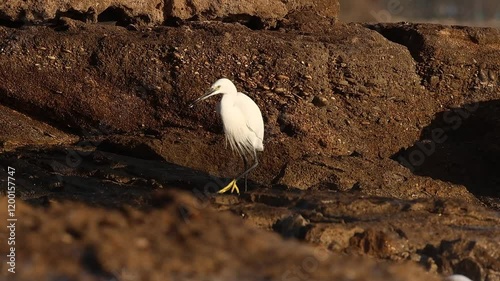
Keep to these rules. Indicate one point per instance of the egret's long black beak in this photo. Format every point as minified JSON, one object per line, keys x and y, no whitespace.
{"x":208,"y":94}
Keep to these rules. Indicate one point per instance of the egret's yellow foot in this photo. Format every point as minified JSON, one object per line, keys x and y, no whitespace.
{"x":231,"y":186}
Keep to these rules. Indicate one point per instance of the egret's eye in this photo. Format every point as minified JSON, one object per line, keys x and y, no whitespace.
{"x":218,"y":87}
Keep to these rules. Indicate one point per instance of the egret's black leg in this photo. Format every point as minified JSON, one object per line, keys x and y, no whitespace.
{"x":245,"y":173}
{"x":232,"y":185}
{"x":245,"y":163}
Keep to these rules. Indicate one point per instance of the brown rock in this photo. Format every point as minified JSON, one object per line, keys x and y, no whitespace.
{"x":17,"y":130}
{"x":158,"y":11}
{"x":264,"y":9}
{"x":222,"y":246}
{"x":479,"y":260}
{"x":33,"y":11}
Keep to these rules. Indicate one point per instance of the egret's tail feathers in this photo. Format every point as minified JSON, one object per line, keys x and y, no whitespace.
{"x":259,"y":146}
{"x":241,"y":146}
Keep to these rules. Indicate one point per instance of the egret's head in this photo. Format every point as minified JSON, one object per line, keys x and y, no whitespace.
{"x":221,"y":86}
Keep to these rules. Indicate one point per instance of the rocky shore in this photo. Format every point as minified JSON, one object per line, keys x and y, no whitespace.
{"x":381,"y":145}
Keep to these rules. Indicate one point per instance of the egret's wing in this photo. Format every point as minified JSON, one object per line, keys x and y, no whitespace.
{"x":252,"y":114}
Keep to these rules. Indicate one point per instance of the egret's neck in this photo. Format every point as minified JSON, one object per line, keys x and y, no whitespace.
{"x":229,"y":98}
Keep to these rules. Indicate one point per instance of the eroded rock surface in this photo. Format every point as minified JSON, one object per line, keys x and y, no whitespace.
{"x":174,"y":241}
{"x":19,"y":130}
{"x":258,"y":14}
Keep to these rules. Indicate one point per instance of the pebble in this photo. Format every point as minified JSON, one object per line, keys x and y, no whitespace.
{"x":66,"y":238}
{"x":323,"y":143}
{"x":483,"y":75}
{"x":351,"y":80}
{"x":343,"y":83}
{"x":142,"y":243}
{"x":433,"y":80}
{"x":319,"y":101}
{"x":363,"y":89}
{"x":51,"y":57}
{"x":492,"y":75}
{"x":132,"y":27}
{"x":283,"y":77}
{"x":376,"y":81}
{"x":280,"y":90}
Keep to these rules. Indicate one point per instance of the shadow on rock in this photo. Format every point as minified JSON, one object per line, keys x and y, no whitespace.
{"x":99,"y":177}
{"x":461,"y":146}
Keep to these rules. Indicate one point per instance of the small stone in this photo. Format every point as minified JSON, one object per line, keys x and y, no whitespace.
{"x":132,"y":27}
{"x":351,"y":80}
{"x":343,"y":83}
{"x":280,"y":90}
{"x":415,"y":257}
{"x":293,"y":226}
{"x":492,"y":75}
{"x":66,"y":238}
{"x":483,"y":75}
{"x":142,"y":243}
{"x":308,"y":77}
{"x":433,"y":81}
{"x":283,"y":77}
{"x":323,"y":143}
{"x":319,"y":101}
{"x":363,"y":89}
{"x":51,"y":57}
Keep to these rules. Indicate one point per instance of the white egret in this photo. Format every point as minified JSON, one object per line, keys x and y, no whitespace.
{"x":243,"y":125}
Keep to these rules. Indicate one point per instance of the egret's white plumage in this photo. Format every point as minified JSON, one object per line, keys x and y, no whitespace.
{"x":243,"y":123}
{"x":457,"y":277}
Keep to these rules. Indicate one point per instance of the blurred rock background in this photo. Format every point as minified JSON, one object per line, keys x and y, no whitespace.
{"x":461,"y":12}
